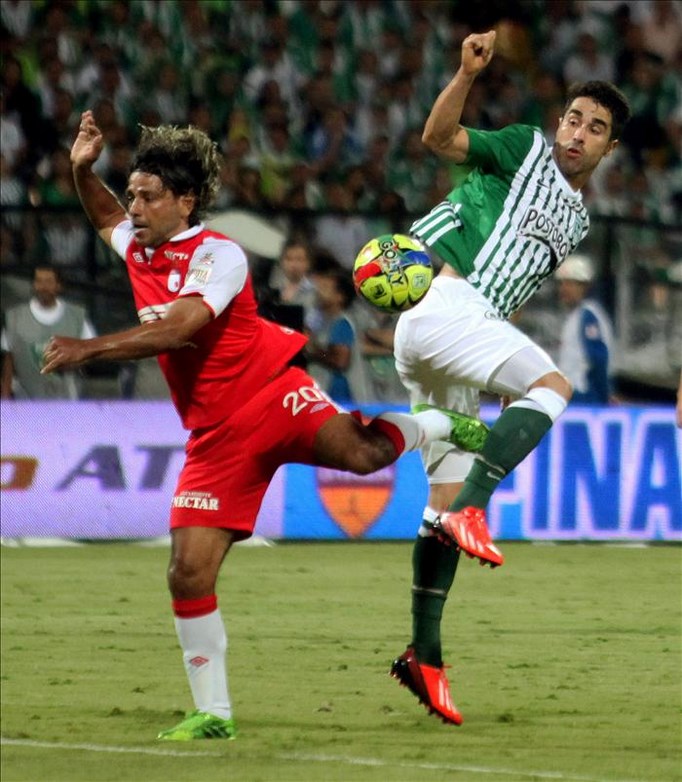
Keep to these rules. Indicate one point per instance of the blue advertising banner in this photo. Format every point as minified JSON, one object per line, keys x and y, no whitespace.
{"x":108,"y":470}
{"x":97,"y":470}
{"x":600,"y":474}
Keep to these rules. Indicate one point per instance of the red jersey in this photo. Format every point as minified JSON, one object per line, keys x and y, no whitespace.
{"x":233,"y":356}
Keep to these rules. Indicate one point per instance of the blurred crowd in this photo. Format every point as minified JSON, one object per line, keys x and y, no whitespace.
{"x":318,"y":105}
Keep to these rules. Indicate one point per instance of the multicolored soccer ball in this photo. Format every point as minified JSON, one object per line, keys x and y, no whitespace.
{"x":393,"y":272}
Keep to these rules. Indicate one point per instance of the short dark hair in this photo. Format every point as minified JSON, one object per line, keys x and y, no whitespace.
{"x":607,"y":95}
{"x":186,"y":160}
{"x":344,"y":284}
{"x":293,"y":241}
{"x":49,"y":267}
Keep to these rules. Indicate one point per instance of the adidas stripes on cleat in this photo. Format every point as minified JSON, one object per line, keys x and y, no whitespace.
{"x":467,"y":528}
{"x":429,"y":684}
{"x":466,"y":433}
{"x":200,"y":725}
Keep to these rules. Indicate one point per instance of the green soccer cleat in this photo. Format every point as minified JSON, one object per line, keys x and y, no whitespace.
{"x":466,"y":433}
{"x":200,"y":725}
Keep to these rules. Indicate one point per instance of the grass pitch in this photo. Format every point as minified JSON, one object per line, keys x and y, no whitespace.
{"x":566,"y":666}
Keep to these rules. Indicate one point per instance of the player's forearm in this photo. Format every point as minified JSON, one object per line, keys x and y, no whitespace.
{"x":101,"y":206}
{"x":149,"y":339}
{"x":143,"y":341}
{"x":443,"y":133}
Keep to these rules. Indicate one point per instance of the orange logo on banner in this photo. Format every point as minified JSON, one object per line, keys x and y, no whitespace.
{"x":23,"y":470}
{"x":355,"y":502}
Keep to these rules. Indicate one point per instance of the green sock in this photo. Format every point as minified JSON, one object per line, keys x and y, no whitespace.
{"x":513,"y":436}
{"x":434,"y":565}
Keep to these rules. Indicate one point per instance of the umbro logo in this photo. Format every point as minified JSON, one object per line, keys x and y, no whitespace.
{"x":198,"y":661}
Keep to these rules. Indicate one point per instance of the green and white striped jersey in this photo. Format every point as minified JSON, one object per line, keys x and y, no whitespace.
{"x":511,"y":222}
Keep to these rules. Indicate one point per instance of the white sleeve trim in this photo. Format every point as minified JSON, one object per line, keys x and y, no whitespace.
{"x":217,"y":272}
{"x":121,"y":237}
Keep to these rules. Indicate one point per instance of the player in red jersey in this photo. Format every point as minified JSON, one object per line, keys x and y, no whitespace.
{"x":230,"y":378}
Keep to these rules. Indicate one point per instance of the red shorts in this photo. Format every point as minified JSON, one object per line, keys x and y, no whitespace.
{"x":228,"y":467}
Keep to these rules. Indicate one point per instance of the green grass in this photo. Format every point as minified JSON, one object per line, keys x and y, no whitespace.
{"x":566,"y":666}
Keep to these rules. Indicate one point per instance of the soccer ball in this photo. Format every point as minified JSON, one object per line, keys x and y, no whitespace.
{"x":393,"y":272}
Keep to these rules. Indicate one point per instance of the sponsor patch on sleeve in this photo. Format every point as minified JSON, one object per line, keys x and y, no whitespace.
{"x":200,"y":271}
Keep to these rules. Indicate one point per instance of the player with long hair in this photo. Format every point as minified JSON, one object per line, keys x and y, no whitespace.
{"x":230,"y":373}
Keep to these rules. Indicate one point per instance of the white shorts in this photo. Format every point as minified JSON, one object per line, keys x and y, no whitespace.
{"x":447,"y":349}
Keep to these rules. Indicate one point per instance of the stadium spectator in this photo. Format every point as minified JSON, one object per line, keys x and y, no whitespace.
{"x":217,"y":44}
{"x":13,"y":194}
{"x":290,"y":281}
{"x":497,"y":250}
{"x":53,"y":76}
{"x":274,"y":64}
{"x":113,"y":85}
{"x":64,"y":120}
{"x":21,"y":105}
{"x":229,"y":376}
{"x":137,"y":39}
{"x":277,"y":159}
{"x":28,"y":329}
{"x":17,"y":17}
{"x":412,"y":172}
{"x":169,"y":95}
{"x":340,"y":231}
{"x":662,"y":29}
{"x":365,"y":77}
{"x":588,"y":62}
{"x":334,"y":349}
{"x":64,"y":232}
{"x":376,"y":335}
{"x":363,"y":23}
{"x":249,"y":187}
{"x":12,"y":139}
{"x":56,"y":189}
{"x":653,"y":94}
{"x":331,"y":144}
{"x":586,"y":342}
{"x":58,"y":23}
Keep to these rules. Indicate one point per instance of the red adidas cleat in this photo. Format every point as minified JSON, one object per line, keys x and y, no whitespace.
{"x":469,"y":530}
{"x":429,"y":684}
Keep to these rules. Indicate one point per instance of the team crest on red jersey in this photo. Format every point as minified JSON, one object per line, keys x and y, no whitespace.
{"x":355,"y":502}
{"x":174,"y":281}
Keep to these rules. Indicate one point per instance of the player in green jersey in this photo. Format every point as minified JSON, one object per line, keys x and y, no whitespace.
{"x":512,"y":221}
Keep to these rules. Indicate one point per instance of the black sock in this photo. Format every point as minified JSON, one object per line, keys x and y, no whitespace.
{"x":434,"y":565}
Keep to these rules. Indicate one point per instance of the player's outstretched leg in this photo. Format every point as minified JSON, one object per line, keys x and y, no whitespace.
{"x":200,"y":725}
{"x":466,"y":433}
{"x":429,"y":683}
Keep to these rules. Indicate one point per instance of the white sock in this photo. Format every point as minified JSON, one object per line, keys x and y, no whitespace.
{"x":419,"y":428}
{"x":436,"y":425}
{"x":429,"y":515}
{"x":204,"y":645}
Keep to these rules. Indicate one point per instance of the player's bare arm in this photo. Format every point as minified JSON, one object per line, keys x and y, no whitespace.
{"x":183,"y":319}
{"x":101,"y":205}
{"x":443,"y":134}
